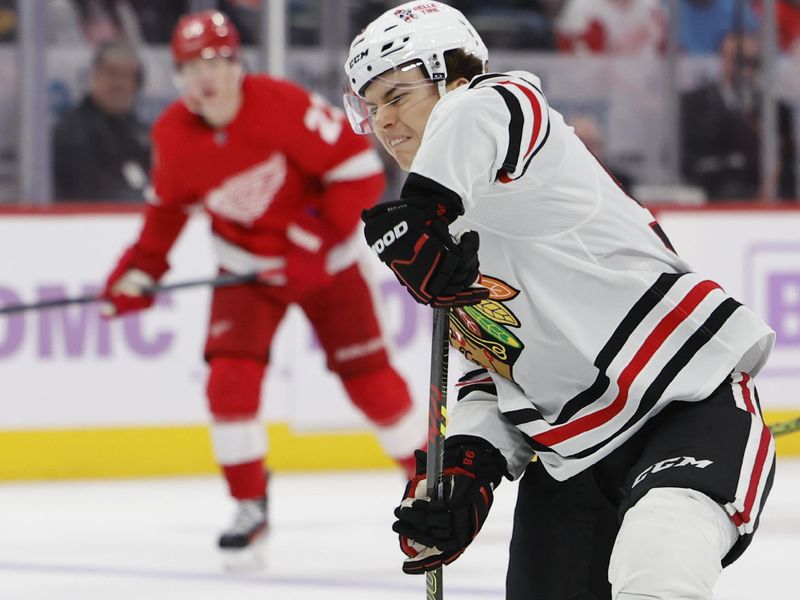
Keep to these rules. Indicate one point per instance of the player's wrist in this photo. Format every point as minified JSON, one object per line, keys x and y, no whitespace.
{"x":154,"y":264}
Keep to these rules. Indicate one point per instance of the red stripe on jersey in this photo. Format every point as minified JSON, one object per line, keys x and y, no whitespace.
{"x":504,"y":178}
{"x":537,"y":114}
{"x":646,"y":351}
{"x":748,"y":401}
{"x":755,"y":478}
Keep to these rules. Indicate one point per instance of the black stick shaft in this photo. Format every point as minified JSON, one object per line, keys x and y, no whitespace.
{"x":220,"y":281}
{"x":437,"y":421}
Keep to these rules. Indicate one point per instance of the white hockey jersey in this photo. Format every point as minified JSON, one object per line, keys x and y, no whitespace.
{"x":594,"y":324}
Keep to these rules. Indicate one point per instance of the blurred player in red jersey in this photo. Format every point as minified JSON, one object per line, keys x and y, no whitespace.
{"x":284,"y":180}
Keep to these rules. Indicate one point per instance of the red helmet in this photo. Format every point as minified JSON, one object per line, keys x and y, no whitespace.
{"x":204,"y":35}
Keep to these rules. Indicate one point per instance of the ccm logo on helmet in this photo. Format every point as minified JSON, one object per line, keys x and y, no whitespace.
{"x":390,"y":237}
{"x":358,"y":57}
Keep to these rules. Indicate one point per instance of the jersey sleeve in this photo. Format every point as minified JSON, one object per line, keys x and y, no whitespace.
{"x":167,"y":203}
{"x":489,"y":132}
{"x":476,"y":413}
{"x":319,"y":140}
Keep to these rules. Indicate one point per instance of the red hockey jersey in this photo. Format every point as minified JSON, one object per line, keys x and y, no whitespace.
{"x":287,"y":156}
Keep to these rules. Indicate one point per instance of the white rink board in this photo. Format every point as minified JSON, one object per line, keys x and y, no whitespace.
{"x":755,"y":256}
{"x":70,"y":369}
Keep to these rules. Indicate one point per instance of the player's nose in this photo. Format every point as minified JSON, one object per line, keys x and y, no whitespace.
{"x":385,"y":116}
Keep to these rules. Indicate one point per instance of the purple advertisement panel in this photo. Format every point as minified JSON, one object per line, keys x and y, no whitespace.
{"x":772,"y":288}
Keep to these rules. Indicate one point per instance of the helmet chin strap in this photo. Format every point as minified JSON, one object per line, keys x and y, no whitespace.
{"x":442,"y":87}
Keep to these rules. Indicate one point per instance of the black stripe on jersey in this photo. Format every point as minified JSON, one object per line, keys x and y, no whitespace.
{"x":523,"y":415}
{"x":532,"y":85}
{"x":534,"y":153}
{"x":629,"y":323}
{"x":469,"y":388}
{"x":514,"y":128}
{"x":517,"y":116}
{"x":536,"y":446}
{"x":757,"y":400}
{"x":676,"y":364}
{"x":486,"y":76}
{"x":476,"y":81}
{"x":472,"y":374}
{"x":480,"y":385}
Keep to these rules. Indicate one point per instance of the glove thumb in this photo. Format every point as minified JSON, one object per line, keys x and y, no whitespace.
{"x":469,"y":242}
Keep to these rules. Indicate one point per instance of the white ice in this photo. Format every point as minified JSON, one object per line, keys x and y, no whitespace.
{"x":331,"y":538}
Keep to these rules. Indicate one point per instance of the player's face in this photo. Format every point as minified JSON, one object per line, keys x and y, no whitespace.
{"x":400,"y":103}
{"x":212,"y":88}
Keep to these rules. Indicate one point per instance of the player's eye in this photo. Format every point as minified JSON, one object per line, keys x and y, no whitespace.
{"x":372,"y":109}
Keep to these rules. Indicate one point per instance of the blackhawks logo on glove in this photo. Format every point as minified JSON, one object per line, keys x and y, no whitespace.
{"x":481,"y":331}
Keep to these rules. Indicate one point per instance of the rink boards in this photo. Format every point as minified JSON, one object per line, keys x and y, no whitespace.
{"x":84,"y":397}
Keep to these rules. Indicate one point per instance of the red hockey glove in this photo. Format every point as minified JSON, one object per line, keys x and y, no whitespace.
{"x":310,"y":239}
{"x":436,"y":532}
{"x":126,"y":285}
{"x":411,"y":237}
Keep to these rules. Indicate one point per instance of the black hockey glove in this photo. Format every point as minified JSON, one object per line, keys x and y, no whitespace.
{"x":411,"y":237}
{"x":436,"y":532}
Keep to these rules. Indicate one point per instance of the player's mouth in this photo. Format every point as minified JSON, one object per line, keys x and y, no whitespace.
{"x":394,"y":142}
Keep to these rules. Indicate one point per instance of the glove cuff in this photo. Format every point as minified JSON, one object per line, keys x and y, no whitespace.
{"x":430,"y":196}
{"x":477,"y":456}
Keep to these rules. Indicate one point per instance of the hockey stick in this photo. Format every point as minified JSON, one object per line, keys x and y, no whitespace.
{"x":437,"y":422}
{"x":784,"y":427}
{"x":219,"y":281}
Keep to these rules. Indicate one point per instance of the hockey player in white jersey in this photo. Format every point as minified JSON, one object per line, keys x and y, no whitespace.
{"x":615,"y":381}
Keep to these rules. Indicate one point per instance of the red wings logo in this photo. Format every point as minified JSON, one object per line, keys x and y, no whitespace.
{"x":246,"y":196}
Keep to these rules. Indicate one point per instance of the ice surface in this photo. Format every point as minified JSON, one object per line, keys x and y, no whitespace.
{"x":331,"y":538}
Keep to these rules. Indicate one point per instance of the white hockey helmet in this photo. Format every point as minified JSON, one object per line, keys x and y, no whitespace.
{"x":414,"y":31}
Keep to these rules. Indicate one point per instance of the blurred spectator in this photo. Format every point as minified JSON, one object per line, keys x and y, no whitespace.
{"x":101,"y":151}
{"x":588,"y":130}
{"x":511,"y":23}
{"x":246,"y":16}
{"x":363,"y":11}
{"x":787,"y":20}
{"x":156,"y":19}
{"x":788,"y":17}
{"x":721,"y":130}
{"x":95,"y":22}
{"x":63,"y":24}
{"x":8,"y":21}
{"x":515,"y":24}
{"x":104,"y":21}
{"x":704,"y":23}
{"x":611,"y":26}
